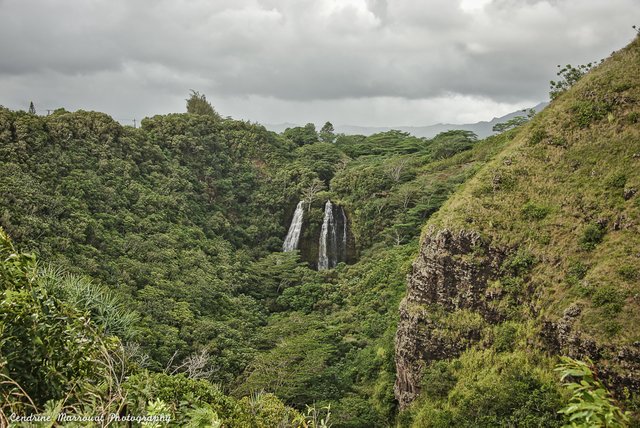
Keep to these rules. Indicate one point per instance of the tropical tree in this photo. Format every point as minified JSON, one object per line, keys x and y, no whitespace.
{"x":327,"y":133}
{"x":197,"y":104}
{"x":302,"y":135}
{"x":569,"y":75}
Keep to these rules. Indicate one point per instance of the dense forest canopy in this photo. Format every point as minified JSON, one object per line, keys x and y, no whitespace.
{"x":181,"y":221}
{"x":143,"y":273}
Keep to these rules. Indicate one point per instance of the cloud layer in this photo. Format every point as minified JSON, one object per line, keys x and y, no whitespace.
{"x":368,"y":62}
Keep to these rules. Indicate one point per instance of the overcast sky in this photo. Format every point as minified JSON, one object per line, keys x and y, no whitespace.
{"x":359,"y":62}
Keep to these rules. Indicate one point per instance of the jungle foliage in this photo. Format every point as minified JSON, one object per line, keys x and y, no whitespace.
{"x":167,"y":237}
{"x":145,"y":274}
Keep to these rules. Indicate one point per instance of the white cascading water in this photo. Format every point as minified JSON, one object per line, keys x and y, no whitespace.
{"x":327,"y":244}
{"x":344,"y":233}
{"x":293,"y":236}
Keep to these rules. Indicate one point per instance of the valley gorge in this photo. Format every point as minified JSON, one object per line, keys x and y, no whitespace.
{"x":207,"y":268}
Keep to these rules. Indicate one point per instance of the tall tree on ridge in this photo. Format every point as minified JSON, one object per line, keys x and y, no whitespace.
{"x":197,"y":104}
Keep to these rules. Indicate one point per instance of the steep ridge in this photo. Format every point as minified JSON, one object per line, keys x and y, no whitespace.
{"x":539,"y":252}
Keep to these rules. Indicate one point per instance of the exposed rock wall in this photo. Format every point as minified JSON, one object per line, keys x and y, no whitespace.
{"x":619,"y":367}
{"x":450,"y":273}
{"x":311,"y":229}
{"x":452,"y":276}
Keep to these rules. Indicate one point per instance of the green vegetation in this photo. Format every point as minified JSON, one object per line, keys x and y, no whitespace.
{"x":146,"y":276}
{"x":592,"y":236}
{"x":487,"y":389}
{"x":591,"y":404}
{"x":168,"y":237}
{"x":554,"y":202}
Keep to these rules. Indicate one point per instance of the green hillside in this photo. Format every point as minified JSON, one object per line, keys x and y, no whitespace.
{"x":170,"y":235}
{"x":546,"y":236}
{"x":143,"y":270}
{"x":566,"y":191}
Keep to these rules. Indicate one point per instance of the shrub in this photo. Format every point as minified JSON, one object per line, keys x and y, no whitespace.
{"x":532,"y":211}
{"x":537,"y":136}
{"x":611,"y":327}
{"x":592,"y":236}
{"x":616,"y":181}
{"x":587,"y":112}
{"x":577,"y":271}
{"x":633,"y":117}
{"x":628,"y":272}
{"x":518,"y":263}
{"x":609,"y":299}
{"x":559,"y":141}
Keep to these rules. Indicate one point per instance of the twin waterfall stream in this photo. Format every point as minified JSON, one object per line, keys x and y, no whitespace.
{"x":332,"y":246}
{"x":293,"y":236}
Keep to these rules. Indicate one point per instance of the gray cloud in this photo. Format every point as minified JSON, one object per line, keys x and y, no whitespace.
{"x":266,"y":59}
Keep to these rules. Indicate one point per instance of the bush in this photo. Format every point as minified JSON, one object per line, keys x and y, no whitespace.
{"x":609,"y":299}
{"x":628,"y":272}
{"x":611,"y":327}
{"x":532,"y":211}
{"x":576,"y":272}
{"x":537,"y":136}
{"x":519,"y":263}
{"x":592,"y":235}
{"x":587,"y":112}
{"x":616,"y":181}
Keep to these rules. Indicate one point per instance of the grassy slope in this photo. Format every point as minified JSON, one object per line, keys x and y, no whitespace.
{"x":560,"y":194}
{"x":565,"y":173}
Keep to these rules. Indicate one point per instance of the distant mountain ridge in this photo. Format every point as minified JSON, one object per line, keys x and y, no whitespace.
{"x":481,"y":129}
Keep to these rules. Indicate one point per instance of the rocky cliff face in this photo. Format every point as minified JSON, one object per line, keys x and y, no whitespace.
{"x":619,"y":366}
{"x":450,"y":274}
{"x":558,"y":260}
{"x":454,"y":278}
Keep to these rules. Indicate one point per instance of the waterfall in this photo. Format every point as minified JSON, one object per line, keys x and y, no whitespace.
{"x":327,"y":245}
{"x":343,"y":253}
{"x":332,"y":248}
{"x":293,"y":236}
